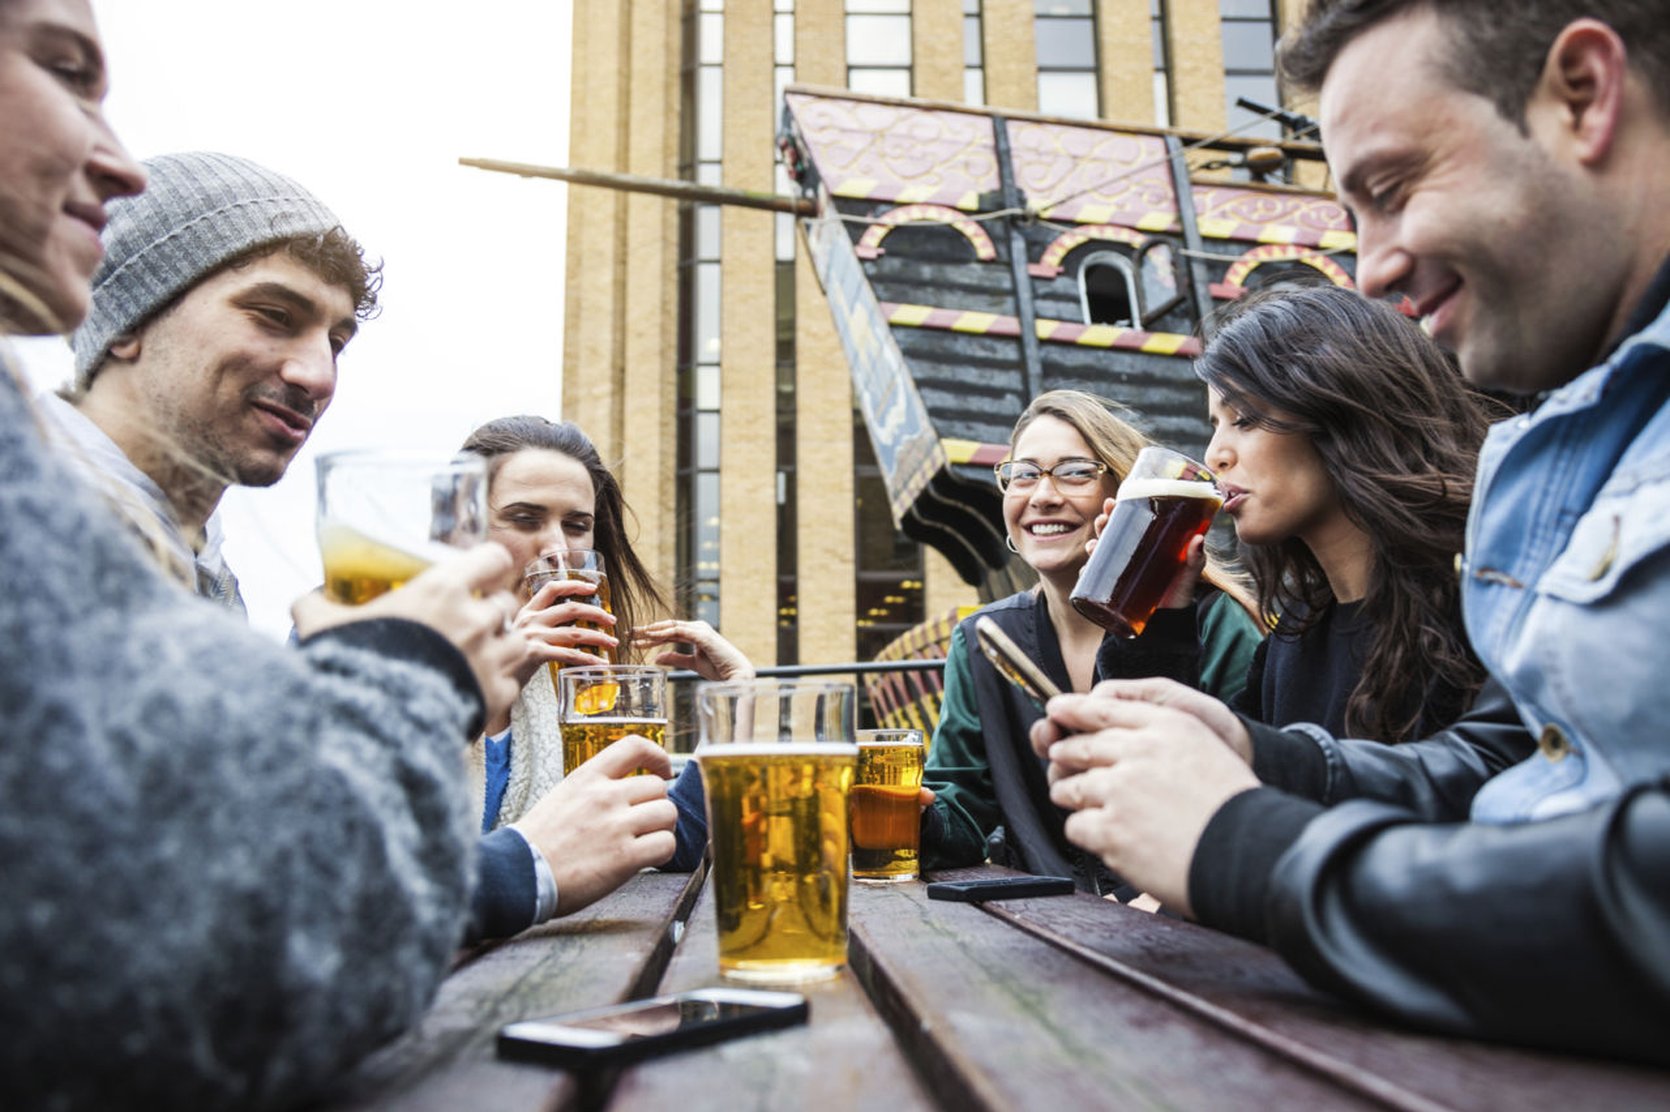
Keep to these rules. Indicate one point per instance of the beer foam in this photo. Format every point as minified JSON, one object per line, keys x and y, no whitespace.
{"x":1168,"y":488}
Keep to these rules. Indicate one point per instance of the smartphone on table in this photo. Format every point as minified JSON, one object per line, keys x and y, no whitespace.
{"x":1000,"y":888}
{"x":627,"y":1032}
{"x":1012,"y":664}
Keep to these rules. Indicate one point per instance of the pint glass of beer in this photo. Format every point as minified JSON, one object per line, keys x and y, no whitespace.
{"x":572,"y":563}
{"x":597,"y":706}
{"x":777,"y":761}
{"x":385,"y":516}
{"x":885,"y":815}
{"x":1164,"y":503}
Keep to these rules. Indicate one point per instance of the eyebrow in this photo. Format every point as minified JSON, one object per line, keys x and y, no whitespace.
{"x":299,"y":302}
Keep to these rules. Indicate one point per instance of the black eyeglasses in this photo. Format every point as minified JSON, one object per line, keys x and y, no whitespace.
{"x":1072,"y":475}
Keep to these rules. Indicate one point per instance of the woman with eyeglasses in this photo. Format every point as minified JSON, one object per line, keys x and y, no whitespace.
{"x":1068,"y":454}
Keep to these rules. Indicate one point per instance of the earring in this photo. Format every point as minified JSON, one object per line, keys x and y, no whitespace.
{"x":1009,"y":539}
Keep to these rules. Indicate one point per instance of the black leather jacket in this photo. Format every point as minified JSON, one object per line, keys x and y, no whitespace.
{"x":1553,"y":933}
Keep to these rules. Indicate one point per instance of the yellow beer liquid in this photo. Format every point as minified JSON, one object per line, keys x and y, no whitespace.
{"x":600,"y":599}
{"x":886,"y":818}
{"x":777,"y":814}
{"x":583,"y":740}
{"x":358,"y":568}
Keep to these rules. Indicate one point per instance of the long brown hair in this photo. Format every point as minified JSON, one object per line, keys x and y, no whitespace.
{"x":1116,"y":442}
{"x":1398,"y":431}
{"x":633,"y":591}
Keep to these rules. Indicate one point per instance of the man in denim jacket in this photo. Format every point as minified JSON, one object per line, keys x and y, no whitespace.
{"x":1510,"y":175}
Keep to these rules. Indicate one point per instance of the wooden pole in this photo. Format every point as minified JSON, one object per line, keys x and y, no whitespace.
{"x":637,"y":183}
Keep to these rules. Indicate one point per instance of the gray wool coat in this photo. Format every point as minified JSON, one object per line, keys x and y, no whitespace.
{"x":228,"y":869}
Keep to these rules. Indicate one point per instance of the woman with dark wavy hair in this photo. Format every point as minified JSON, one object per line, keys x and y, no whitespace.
{"x":1345,"y":443}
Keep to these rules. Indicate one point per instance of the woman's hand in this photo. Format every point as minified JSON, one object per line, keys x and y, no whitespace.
{"x":548,"y":620}
{"x":1182,"y":590}
{"x":711,"y":656}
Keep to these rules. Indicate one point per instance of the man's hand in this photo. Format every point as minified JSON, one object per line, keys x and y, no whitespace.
{"x":1088,"y":713}
{"x":464,"y":599}
{"x":601,"y":824}
{"x":1143,"y":768}
{"x":711,"y":656}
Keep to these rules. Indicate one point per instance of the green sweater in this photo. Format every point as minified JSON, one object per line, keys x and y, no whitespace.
{"x":982,"y":768}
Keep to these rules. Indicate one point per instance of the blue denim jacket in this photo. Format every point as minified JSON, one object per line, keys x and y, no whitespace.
{"x":1566,"y":582}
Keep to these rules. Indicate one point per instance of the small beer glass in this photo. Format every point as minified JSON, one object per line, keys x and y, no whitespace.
{"x":777,"y":760}
{"x":572,"y":563}
{"x":1164,"y":503}
{"x":385,"y":516}
{"x":598,"y":705}
{"x":885,"y":815}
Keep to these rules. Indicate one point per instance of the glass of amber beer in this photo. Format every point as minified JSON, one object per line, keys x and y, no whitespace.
{"x":385,"y":516}
{"x":572,"y":563}
{"x":777,"y":760}
{"x":1164,"y":503}
{"x":598,"y":705}
{"x":886,"y":817}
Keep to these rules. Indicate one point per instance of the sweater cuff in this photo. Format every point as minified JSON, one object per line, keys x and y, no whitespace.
{"x":1290,"y":759}
{"x":403,"y":639}
{"x":1229,"y":878}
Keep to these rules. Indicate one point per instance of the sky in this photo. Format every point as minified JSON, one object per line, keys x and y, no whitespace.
{"x":370,"y":104}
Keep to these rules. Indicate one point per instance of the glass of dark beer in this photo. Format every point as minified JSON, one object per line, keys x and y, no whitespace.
{"x":1165,"y":502}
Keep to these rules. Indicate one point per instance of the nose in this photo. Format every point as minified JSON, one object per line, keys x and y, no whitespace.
{"x":1382,"y":265}
{"x":311,"y":366}
{"x":113,"y":170}
{"x":1219,"y":456}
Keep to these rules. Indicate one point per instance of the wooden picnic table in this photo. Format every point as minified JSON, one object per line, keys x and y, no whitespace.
{"x":1059,"y":1004}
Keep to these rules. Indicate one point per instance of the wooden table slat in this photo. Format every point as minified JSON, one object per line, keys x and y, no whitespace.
{"x":605,"y":953}
{"x":1267,"y":1002}
{"x":999,"y":1019}
{"x":844,"y":1057}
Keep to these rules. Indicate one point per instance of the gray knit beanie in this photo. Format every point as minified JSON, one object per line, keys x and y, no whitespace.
{"x":200,"y":211}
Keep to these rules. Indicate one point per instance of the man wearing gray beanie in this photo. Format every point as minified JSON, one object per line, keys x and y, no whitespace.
{"x":226,"y":293}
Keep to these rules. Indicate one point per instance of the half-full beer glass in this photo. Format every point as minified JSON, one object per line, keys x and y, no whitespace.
{"x":385,"y":516}
{"x":597,"y":706}
{"x":777,"y":761}
{"x":573,"y":563}
{"x":886,"y":816}
{"x":1164,"y":503}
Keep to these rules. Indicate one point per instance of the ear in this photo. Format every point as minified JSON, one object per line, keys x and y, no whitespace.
{"x":126,"y":347}
{"x":1584,"y":78}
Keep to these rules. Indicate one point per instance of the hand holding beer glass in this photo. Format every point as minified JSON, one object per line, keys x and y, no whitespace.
{"x":777,"y":760}
{"x":597,"y":706}
{"x":1165,"y":502}
{"x":582,"y":565}
{"x":886,"y":806}
{"x":384,"y":516}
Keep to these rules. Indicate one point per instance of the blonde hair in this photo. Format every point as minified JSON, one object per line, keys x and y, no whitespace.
{"x":1115,"y":443}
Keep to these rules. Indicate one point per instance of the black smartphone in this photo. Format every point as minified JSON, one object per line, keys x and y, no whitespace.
{"x":1000,"y":888}
{"x":627,"y":1032}
{"x":1013,"y":664}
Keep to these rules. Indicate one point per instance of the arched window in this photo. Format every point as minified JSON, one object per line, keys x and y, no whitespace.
{"x":1108,"y":291}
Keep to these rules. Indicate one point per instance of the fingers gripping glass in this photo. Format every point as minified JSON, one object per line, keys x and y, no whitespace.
{"x":1008,"y":659}
{"x":1069,"y":474}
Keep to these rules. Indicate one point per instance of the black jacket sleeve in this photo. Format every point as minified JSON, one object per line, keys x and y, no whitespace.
{"x":1552,"y":933}
{"x":1436,"y":778}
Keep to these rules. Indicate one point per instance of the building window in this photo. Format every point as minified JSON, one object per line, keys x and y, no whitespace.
{"x":1066,"y":35}
{"x":889,"y":564}
{"x":974,"y":54}
{"x":788,"y":581}
{"x":1162,"y":64}
{"x":878,"y":47}
{"x":1249,"y":40}
{"x":700,"y":422}
{"x":1108,"y":291}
